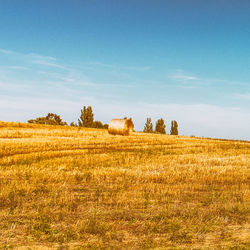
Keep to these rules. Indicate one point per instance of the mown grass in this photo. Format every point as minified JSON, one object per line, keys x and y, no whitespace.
{"x":65,"y":187}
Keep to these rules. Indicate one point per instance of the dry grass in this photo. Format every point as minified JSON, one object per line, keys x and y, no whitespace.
{"x":64,"y":187}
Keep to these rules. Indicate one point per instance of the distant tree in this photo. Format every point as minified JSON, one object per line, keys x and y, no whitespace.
{"x":174,"y":128}
{"x":86,"y":118}
{"x":39,"y":120}
{"x":73,"y":124}
{"x":83,"y":117}
{"x":105,"y":126}
{"x":160,"y":127}
{"x":97,"y":124}
{"x":148,"y":128}
{"x":55,"y":119}
{"x":90,"y":116}
{"x":50,"y":119}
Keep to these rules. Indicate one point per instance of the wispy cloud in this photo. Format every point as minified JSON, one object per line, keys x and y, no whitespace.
{"x":14,"y":67}
{"x":194,"y":80}
{"x":45,"y":77}
{"x":245,"y":96}
{"x":49,"y":63}
{"x":4,"y":51}
{"x":41,"y":69}
{"x":46,"y":63}
{"x":33,"y":58}
{"x":137,"y":68}
{"x":100,"y":64}
{"x":41,"y":57}
{"x":120,"y":67}
{"x":45,"y":60}
{"x":184,"y":77}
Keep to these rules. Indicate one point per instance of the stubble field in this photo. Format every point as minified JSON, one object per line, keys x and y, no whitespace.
{"x":71,"y":188}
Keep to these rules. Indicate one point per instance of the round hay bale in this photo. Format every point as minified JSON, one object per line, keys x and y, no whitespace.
{"x":120,"y":126}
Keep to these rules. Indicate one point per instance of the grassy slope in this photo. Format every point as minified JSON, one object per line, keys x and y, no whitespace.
{"x":64,"y":186}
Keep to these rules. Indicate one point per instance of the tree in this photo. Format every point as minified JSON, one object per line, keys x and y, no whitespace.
{"x":90,"y":116}
{"x":105,"y":126}
{"x":97,"y":124}
{"x":39,"y":120}
{"x":54,"y":119}
{"x":87,"y":117}
{"x":50,"y":119}
{"x":72,"y":124}
{"x":148,"y":128}
{"x":160,"y":127}
{"x":174,"y":128}
{"x":82,"y":120}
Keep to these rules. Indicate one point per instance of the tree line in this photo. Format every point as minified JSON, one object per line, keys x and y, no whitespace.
{"x":160,"y":127}
{"x":86,"y":120}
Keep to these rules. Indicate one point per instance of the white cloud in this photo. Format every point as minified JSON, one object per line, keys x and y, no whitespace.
{"x":184,"y":77}
{"x":192,"y":80}
{"x":33,"y":58}
{"x":119,"y":67}
{"x":245,"y":96}
{"x":100,"y":64}
{"x":48,"y":63}
{"x":41,"y":57}
{"x":40,"y":74}
{"x":4,"y":51}
{"x":137,"y":68}
{"x":14,"y":68}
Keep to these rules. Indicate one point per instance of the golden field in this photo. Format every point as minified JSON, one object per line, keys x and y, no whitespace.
{"x":71,"y":188}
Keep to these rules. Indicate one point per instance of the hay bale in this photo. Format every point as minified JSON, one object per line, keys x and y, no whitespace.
{"x":120,"y":126}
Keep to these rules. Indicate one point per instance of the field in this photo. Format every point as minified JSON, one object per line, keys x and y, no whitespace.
{"x":71,"y":188}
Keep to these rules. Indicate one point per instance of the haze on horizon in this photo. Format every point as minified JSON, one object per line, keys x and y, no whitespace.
{"x":177,"y":60}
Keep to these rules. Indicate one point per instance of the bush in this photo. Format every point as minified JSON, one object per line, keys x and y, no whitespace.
{"x":50,"y":119}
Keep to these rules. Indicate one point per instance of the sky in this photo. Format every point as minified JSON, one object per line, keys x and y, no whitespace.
{"x":180,"y":60}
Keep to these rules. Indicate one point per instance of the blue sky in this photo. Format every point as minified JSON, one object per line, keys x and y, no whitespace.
{"x":180,"y":60}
